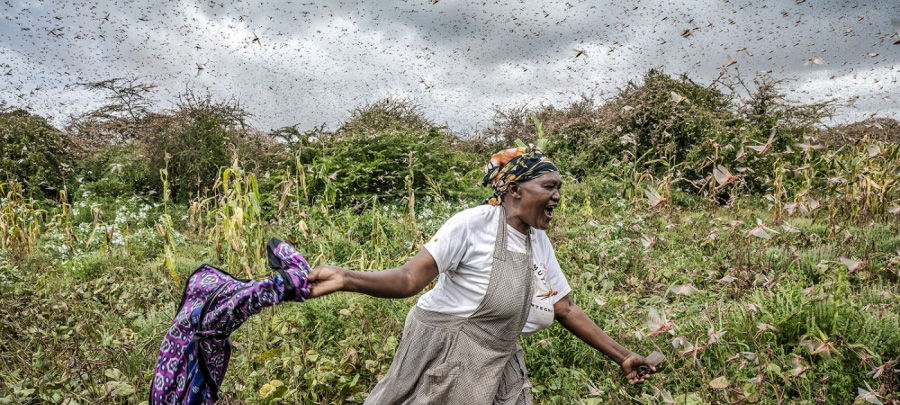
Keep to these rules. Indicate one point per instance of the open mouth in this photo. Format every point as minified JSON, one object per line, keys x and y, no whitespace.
{"x":549,"y":211}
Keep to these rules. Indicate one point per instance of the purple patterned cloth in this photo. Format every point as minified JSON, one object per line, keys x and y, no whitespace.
{"x":194,"y":354}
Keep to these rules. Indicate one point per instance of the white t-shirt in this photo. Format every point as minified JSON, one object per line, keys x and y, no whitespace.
{"x":464,"y":252}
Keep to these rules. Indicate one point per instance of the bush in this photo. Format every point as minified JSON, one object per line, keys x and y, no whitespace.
{"x":381,"y":150}
{"x":650,"y":123}
{"x":33,"y":152}
{"x":196,"y":140}
{"x":882,"y":129}
{"x":115,"y":171}
{"x":643,"y":119}
{"x":654,"y":122}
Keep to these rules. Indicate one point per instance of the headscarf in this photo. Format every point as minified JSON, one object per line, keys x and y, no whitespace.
{"x":520,"y":164}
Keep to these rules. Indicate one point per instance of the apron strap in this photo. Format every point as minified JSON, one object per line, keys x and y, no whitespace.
{"x":500,"y":246}
{"x":500,"y":251}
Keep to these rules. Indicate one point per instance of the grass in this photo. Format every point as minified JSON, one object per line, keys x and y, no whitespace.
{"x":84,"y":324}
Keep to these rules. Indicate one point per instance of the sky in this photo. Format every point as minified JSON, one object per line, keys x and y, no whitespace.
{"x":309,"y":63}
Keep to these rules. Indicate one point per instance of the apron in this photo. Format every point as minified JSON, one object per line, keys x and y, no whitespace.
{"x":448,"y":359}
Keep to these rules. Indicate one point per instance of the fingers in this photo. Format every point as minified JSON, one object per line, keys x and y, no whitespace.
{"x":633,"y":376}
{"x":320,"y":273}
{"x":637,"y":380}
{"x":320,"y":289}
{"x":321,"y":282}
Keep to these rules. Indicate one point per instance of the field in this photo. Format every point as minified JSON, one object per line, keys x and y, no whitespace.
{"x":779,"y":281}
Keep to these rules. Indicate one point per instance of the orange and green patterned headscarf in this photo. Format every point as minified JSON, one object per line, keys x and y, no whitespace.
{"x":520,"y":164}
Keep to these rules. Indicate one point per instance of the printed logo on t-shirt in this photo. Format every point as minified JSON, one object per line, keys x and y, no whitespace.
{"x":542,"y":286}
{"x":541,"y":315}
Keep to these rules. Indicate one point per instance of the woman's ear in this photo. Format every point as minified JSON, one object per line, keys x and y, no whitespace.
{"x":513,"y":189}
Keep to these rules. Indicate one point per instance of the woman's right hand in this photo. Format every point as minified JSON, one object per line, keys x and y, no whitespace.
{"x":631,"y":368}
{"x":326,"y":279}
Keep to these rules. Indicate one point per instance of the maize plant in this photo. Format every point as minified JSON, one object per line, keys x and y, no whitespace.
{"x":20,"y":221}
{"x":167,"y":230}
{"x":238,"y":235}
{"x":291,"y":206}
{"x":867,"y":175}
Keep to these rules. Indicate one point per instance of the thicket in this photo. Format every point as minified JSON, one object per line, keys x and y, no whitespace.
{"x":668,"y":128}
{"x":126,"y":142}
{"x":674,"y":128}
{"x":33,"y":152}
{"x":386,"y":149}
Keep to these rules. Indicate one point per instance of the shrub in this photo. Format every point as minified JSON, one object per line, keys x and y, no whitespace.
{"x":672,"y":126}
{"x":120,"y":120}
{"x":643,"y":119}
{"x":33,"y":151}
{"x":197,"y":139}
{"x":882,"y":129}
{"x":384,"y":149}
{"x":653,"y":121}
{"x":115,"y":171}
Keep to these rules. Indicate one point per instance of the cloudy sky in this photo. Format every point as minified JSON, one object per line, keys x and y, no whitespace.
{"x":310,"y":63}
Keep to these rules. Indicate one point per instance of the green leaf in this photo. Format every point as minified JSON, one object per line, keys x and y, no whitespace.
{"x":689,"y":399}
{"x":269,"y":354}
{"x":773,"y":368}
{"x":118,"y":389}
{"x":272,"y":390}
{"x":719,"y":383}
{"x":113,"y":374}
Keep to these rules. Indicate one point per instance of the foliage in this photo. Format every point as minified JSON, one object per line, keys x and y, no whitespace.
{"x":373,"y":152}
{"x":33,"y":152}
{"x":767,"y":107}
{"x":237,"y":232}
{"x":197,"y":139}
{"x":329,"y":349}
{"x":20,"y":222}
{"x":879,"y":129}
{"x":112,"y":171}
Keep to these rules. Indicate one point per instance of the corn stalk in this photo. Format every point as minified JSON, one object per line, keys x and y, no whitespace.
{"x":166,"y":229}
{"x":237,"y":235}
{"x":20,"y":221}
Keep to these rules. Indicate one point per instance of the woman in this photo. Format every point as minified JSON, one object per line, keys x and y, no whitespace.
{"x":497,"y":277}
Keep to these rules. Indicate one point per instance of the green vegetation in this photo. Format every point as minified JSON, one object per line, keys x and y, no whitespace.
{"x":33,"y":152}
{"x":777,"y":269}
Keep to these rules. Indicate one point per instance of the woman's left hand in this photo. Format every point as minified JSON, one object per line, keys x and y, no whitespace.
{"x":631,"y":366}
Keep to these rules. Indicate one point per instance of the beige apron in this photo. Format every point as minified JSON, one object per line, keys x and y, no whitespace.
{"x":448,"y":359}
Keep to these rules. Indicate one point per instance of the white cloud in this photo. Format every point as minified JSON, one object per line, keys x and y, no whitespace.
{"x":314,"y":62}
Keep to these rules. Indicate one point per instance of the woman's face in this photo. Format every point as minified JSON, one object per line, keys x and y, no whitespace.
{"x":539,"y":198}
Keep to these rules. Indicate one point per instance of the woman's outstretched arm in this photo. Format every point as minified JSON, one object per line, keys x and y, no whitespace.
{"x":401,"y":282}
{"x":576,"y":321}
